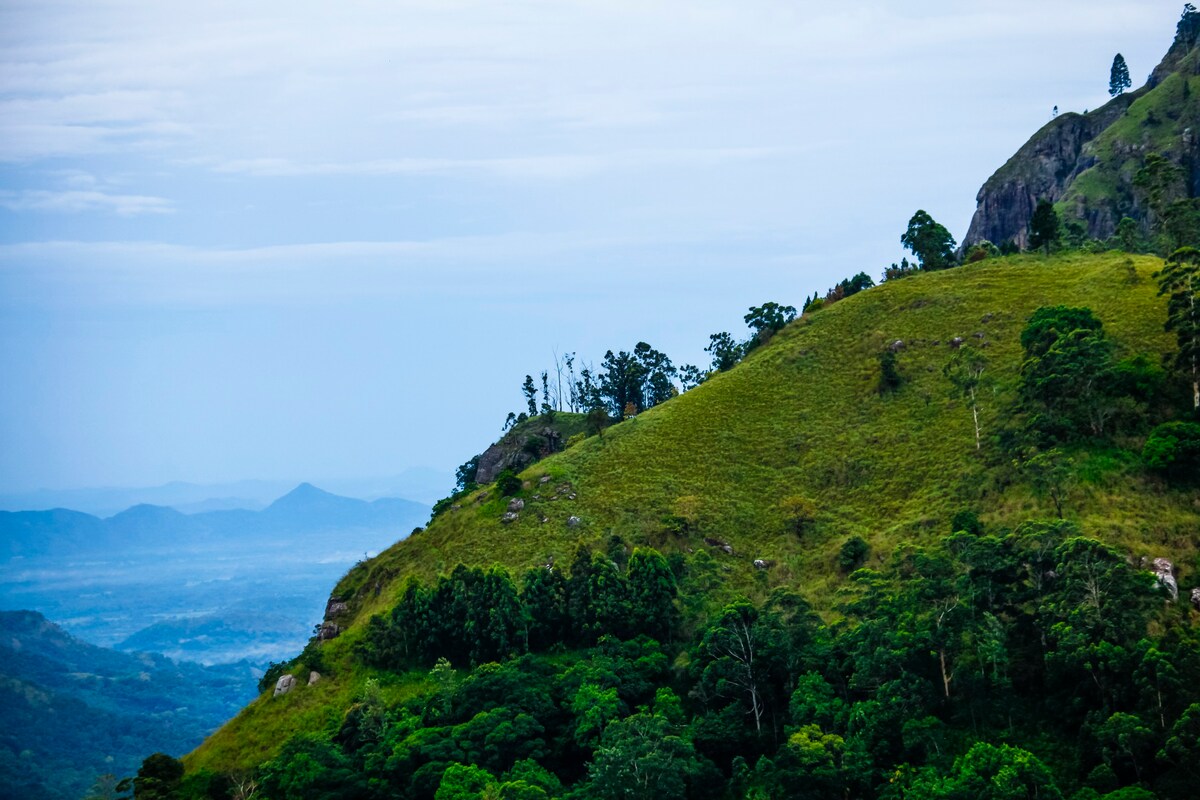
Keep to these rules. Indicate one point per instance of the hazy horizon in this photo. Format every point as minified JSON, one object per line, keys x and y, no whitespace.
{"x":259,"y":243}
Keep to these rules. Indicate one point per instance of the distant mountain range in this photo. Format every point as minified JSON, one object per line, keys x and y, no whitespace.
{"x":419,"y":483}
{"x":304,"y":510}
{"x":70,"y":711}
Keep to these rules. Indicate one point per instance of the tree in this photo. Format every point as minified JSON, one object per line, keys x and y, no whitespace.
{"x":1052,"y":475}
{"x":464,"y":476}
{"x":1066,"y":377}
{"x":652,"y":593}
{"x":641,"y":756}
{"x":769,"y":318}
{"x":734,"y":644}
{"x":965,"y":371}
{"x":930,"y":242}
{"x":1043,"y":226}
{"x":690,"y":376}
{"x":1179,"y":280}
{"x":158,"y":778}
{"x":1127,"y":235}
{"x":464,"y":782}
{"x":1173,"y":448}
{"x":1118,"y":76}
{"x":597,"y":420}
{"x":724,"y":350}
{"x":546,"y":406}
{"x":530,"y":392}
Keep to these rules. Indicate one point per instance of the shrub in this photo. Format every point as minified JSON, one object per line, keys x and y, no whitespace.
{"x":575,"y":439}
{"x":966,"y":520}
{"x":852,"y":554}
{"x":1173,"y":449}
{"x":508,"y":483}
{"x":889,"y":372}
{"x":535,"y":445}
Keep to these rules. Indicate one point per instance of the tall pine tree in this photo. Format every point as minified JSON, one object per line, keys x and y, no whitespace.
{"x":1118,"y":77}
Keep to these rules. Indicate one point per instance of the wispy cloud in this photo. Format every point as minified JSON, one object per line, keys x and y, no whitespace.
{"x":534,"y":166}
{"x":77,"y":201}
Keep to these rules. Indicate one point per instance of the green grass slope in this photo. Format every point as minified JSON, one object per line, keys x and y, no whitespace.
{"x":800,"y":416}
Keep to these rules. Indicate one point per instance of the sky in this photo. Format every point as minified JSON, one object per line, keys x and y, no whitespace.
{"x":312,"y":241}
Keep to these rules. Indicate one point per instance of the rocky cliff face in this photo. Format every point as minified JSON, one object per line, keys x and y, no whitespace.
{"x":1043,"y":168}
{"x":1085,"y":163}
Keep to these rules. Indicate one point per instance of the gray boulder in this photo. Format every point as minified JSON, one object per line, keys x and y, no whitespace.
{"x":313,"y":678}
{"x":284,"y":685}
{"x":1196,"y":598}
{"x":573,"y":522}
{"x":516,"y":504}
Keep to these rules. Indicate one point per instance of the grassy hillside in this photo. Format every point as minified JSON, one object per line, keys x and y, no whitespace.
{"x":800,"y":417}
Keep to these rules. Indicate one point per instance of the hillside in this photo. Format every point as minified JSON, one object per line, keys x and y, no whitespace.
{"x":714,"y":476}
{"x":72,"y":711}
{"x":1087,"y":164}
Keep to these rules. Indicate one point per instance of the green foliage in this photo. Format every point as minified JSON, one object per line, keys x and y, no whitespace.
{"x":1128,"y":236}
{"x":158,"y":778}
{"x":890,"y":378}
{"x":852,"y":554}
{"x":464,"y":782}
{"x":464,"y":476}
{"x":929,"y":241}
{"x":726,"y":352}
{"x":981,"y":251}
{"x":967,"y":372}
{"x":1044,"y":227}
{"x":988,"y":772}
{"x":1179,"y":280}
{"x":1173,"y":448}
{"x":767,"y":319}
{"x":966,"y":521}
{"x":530,"y":392}
{"x":508,"y":483}
{"x":1067,"y":373}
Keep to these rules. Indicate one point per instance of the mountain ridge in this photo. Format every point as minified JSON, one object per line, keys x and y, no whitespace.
{"x":304,"y":509}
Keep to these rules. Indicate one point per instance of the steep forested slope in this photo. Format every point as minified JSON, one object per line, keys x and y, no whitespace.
{"x":780,"y":475}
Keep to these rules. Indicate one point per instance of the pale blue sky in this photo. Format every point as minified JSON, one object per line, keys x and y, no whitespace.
{"x":304,"y":240}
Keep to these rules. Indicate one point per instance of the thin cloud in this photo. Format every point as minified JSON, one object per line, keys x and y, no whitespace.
{"x":541,"y":166}
{"x":77,"y":201}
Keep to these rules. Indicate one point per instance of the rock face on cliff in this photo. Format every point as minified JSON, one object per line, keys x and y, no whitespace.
{"x":528,"y":442}
{"x":1086,"y":163}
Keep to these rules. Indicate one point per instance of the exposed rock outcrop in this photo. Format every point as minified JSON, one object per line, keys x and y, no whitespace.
{"x":1109,"y":145}
{"x":1043,"y":168}
{"x":518,"y":449}
{"x":313,"y":678}
{"x":1164,"y":571}
{"x":284,"y":685}
{"x":1196,"y":598}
